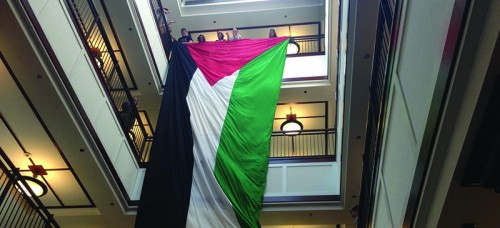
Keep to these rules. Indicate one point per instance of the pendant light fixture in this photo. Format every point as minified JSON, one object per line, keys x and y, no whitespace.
{"x":291,"y":126}
{"x":37,"y":186}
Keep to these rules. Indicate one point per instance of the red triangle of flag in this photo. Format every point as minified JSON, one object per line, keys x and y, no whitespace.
{"x":217,"y":60}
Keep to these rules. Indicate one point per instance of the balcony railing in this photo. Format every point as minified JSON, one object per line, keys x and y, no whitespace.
{"x":17,"y":209}
{"x":308,"y":45}
{"x":307,"y":36}
{"x":379,"y":87}
{"x":306,"y":144}
{"x":93,"y":34}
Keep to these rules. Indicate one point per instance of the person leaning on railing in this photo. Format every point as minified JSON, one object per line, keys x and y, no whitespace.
{"x":272,"y":33}
{"x":162,"y":26}
{"x":165,"y":12}
{"x":128,"y":115}
{"x":201,"y":38}
{"x":170,"y":32}
{"x":220,"y":36}
{"x":185,"y":38}
{"x":236,"y":35}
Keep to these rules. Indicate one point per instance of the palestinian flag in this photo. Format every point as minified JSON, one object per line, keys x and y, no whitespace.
{"x":209,"y":160}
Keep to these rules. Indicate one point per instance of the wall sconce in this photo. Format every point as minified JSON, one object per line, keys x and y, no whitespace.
{"x":291,"y":126}
{"x":37,"y":186}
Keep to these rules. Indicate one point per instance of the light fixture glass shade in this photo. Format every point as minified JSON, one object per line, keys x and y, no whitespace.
{"x":292,"y":48}
{"x":36,"y":186}
{"x":291,"y":126}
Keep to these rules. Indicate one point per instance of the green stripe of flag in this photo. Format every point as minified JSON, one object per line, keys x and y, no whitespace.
{"x":243,"y":153}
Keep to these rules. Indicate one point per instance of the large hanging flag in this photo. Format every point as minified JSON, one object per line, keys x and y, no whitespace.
{"x":209,"y":160}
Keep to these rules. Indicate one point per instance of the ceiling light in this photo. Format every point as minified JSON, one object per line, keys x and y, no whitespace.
{"x":292,"y":48}
{"x":291,"y":126}
{"x":37,"y":186}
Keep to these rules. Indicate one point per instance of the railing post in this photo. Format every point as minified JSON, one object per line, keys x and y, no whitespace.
{"x":319,"y":37}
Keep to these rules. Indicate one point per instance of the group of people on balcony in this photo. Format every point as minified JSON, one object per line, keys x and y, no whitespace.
{"x":186,"y":38}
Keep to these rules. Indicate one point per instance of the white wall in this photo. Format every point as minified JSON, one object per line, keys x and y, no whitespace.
{"x":303,"y":179}
{"x":305,"y":66}
{"x":422,"y":35}
{"x":444,"y":202}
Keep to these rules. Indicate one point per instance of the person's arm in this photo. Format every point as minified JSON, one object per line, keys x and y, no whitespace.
{"x":227,"y":34}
